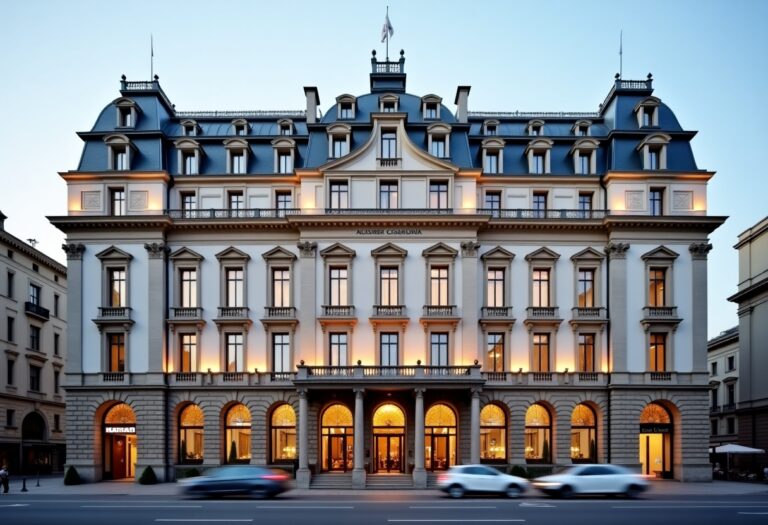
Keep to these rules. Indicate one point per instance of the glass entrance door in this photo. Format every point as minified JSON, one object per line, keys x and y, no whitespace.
{"x":389,"y":453}
{"x":655,"y":455}
{"x":337,"y":453}
{"x":438,"y":453}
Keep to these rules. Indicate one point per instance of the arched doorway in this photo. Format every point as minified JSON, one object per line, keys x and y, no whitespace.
{"x":337,"y":435}
{"x":656,"y":441}
{"x":493,"y":434}
{"x":191,"y":429}
{"x":439,"y":437}
{"x":120,"y":443}
{"x":238,"y":434}
{"x":283,"y":434}
{"x":37,"y":454}
{"x":583,"y":435}
{"x":388,"y":437}
{"x":538,"y":435}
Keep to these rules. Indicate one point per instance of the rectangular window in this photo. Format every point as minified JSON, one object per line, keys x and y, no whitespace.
{"x":188,"y":353}
{"x":731,"y":363}
{"x":281,"y":287}
{"x":9,"y":417}
{"x":438,"y":286}
{"x":189,"y":162}
{"x":339,"y":195}
{"x":648,"y":116}
{"x":586,"y":352}
{"x":438,"y":349}
{"x":34,"y":338}
{"x":731,"y":394}
{"x":438,"y":147}
{"x":57,"y":423}
{"x":534,"y":131}
{"x":56,"y":342}
{"x":583,"y":162}
{"x":235,"y":200}
{"x":656,"y":205}
{"x":345,"y":110}
{"x":654,"y":156}
{"x":585,"y":204}
{"x":338,"y":349}
{"x":713,"y":394}
{"x":285,"y":129}
{"x":541,"y":353}
{"x":121,"y":158}
{"x":494,"y":352}
{"x":388,"y":286}
{"x":34,"y":377}
{"x":9,"y":285}
{"x":430,"y":110}
{"x":539,"y":205}
{"x":388,"y":145}
{"x":11,"y":322}
{"x":240,"y":130}
{"x":731,"y":425}
{"x":340,"y":146}
{"x":490,"y":129}
{"x":189,"y":130}
{"x":117,"y":288}
{"x":238,"y":160}
{"x":658,"y":352}
{"x":56,"y":380}
{"x":188,"y":205}
{"x":492,"y":201}
{"x":713,"y":368}
{"x":491,"y":162}
{"x":283,"y":200}
{"x":388,"y":195}
{"x":56,"y":301}
{"x":713,"y":427}
{"x":388,"y":348}
{"x":586,"y":288}
{"x":126,"y":117}
{"x":284,"y":162}
{"x":235,"y":287}
{"x":188,"y":282}
{"x":234,"y":358}
{"x":388,"y":107}
{"x":337,"y":276}
{"x":495,"y":291}
{"x":117,"y":201}
{"x":656,"y":287}
{"x":116,"y":361}
{"x":537,"y":163}
{"x":438,"y":195}
{"x":281,"y":353}
{"x":9,"y":372}
{"x":34,"y":294}
{"x":540,"y":288}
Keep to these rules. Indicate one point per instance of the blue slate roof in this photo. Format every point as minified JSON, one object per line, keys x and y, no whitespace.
{"x":159,"y":125}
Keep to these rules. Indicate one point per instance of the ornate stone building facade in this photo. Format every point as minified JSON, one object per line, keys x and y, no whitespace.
{"x":391,"y":287}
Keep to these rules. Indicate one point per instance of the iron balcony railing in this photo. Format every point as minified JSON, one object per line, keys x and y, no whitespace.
{"x":273,"y":113}
{"x":250,"y":213}
{"x":558,"y":214}
{"x":36,"y":310}
{"x":492,"y":213}
{"x":533,"y":114}
{"x":389,"y":162}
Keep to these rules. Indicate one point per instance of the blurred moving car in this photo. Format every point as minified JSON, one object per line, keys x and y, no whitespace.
{"x":464,"y":479}
{"x":592,"y":479}
{"x":236,"y":479}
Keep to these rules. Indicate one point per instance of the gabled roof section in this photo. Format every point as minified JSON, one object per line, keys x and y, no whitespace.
{"x":588,"y":254}
{"x":338,"y":250}
{"x":542,"y":254}
{"x":440,"y":250}
{"x":389,"y":250}
{"x":232,"y":254}
{"x":498,"y":254}
{"x":185,"y":254}
{"x":660,"y":253}
{"x":278,"y":254}
{"x":114,"y":254}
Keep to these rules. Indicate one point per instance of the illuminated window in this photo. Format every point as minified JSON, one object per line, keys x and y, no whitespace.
{"x":237,"y":434}
{"x":657,"y":351}
{"x":583,"y":435}
{"x":188,"y":353}
{"x":283,"y":434}
{"x":541,"y":360}
{"x":494,"y":352}
{"x":493,"y":433}
{"x":191,"y":431}
{"x":586,"y":353}
{"x":538,"y":435}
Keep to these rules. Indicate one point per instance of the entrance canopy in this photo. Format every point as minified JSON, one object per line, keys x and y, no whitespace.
{"x":733,"y":448}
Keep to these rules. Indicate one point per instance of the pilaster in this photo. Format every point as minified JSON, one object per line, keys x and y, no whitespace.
{"x":699,"y":251}
{"x":156,"y":310}
{"x":74,"y":361}
{"x":617,"y":295}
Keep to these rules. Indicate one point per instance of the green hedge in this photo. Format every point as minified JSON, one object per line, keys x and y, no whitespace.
{"x":148,"y":477}
{"x":71,"y":477}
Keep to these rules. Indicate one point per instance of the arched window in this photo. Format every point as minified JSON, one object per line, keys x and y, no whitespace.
{"x":388,"y":438}
{"x":283,"y":433}
{"x":583,"y":435}
{"x":440,"y":437}
{"x":337,"y":438}
{"x":238,"y":434}
{"x":120,"y":414}
{"x":33,"y":427}
{"x":656,"y":441}
{"x":538,"y":435}
{"x":191,"y":435}
{"x":120,"y":443}
{"x":493,"y":433}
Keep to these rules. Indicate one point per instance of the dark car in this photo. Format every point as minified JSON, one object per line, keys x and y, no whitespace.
{"x":237,"y":479}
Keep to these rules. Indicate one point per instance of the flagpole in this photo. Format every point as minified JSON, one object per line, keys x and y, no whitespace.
{"x":151,"y":56}
{"x":621,"y":53}
{"x":387,"y":35}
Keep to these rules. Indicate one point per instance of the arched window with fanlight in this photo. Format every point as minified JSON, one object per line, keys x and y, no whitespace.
{"x":338,"y":440}
{"x":191,"y":423}
{"x":538,"y":435}
{"x":238,"y":434}
{"x":439,"y":437}
{"x":283,"y":434}
{"x":493,"y":434}
{"x":583,"y":435}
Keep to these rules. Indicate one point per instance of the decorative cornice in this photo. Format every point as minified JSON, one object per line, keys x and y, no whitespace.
{"x":617,"y":250}
{"x":74,"y":251}
{"x":699,"y":250}
{"x":469,"y":248}
{"x":307,"y":248}
{"x":156,"y":250}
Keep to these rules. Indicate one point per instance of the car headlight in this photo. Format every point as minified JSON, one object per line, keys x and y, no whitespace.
{"x":547,"y":484}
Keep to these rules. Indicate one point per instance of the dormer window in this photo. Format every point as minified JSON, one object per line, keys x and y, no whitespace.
{"x":284,"y":155}
{"x":119,"y":152}
{"x":188,"y":156}
{"x":439,"y":140}
{"x":538,"y":153}
{"x":535,"y":128}
{"x":647,"y":111}
{"x":388,"y":103}
{"x":189,"y":128}
{"x":493,"y":155}
{"x":338,"y":140}
{"x":237,"y":156}
{"x":285,"y":127}
{"x":584,"y":153}
{"x":653,"y":151}
{"x":240,"y":127}
{"x":491,"y":128}
{"x":581,"y":128}
{"x":430,"y":105}
{"x":345,"y":107}
{"x":388,"y":107}
{"x":126,"y":113}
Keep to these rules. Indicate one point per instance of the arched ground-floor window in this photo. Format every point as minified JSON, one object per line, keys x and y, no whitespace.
{"x":120,"y":445}
{"x":656,"y":441}
{"x":191,"y":424}
{"x":439,"y":437}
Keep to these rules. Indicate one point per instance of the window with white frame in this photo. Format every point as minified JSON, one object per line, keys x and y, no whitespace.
{"x":581,"y":128}
{"x":120,"y":150}
{"x":117,"y":201}
{"x":115,"y":359}
{"x":539,"y":204}
{"x":388,"y":144}
{"x":538,"y":154}
{"x":188,"y":288}
{"x":491,"y":128}
{"x":438,"y":349}
{"x":339,"y":136}
{"x":647,"y":112}
{"x":653,"y":151}
{"x":585,"y":204}
{"x":283,"y":200}
{"x":494,"y":352}
{"x":438,"y":194}
{"x":281,"y":352}
{"x":389,"y":286}
{"x":234,"y":348}
{"x":345,"y":105}
{"x":437,"y":147}
{"x":535,"y":128}
{"x":338,"y":285}
{"x":541,"y":352}
{"x":389,"y":103}
{"x":127,"y":113}
{"x":281,"y":287}
{"x":116,"y":278}
{"x":188,"y":204}
{"x":389,"y":348}
{"x":284,"y":153}
{"x":340,"y":146}
{"x":491,"y":164}
{"x":496,"y":284}
{"x":493,"y":155}
{"x":235,"y":286}
{"x":540,"y":289}
{"x":657,"y":352}
{"x":285,"y":127}
{"x":240,"y":127}
{"x":188,"y":352}
{"x":430,"y":106}
{"x":189,"y":128}
{"x":656,"y":201}
{"x":284,"y":162}
{"x":438,"y":286}
{"x":189,"y":153}
{"x":237,"y":156}
{"x":492,"y":201}
{"x":337,"y":345}
{"x":235,"y":200}
{"x":586,"y":357}
{"x":586,"y":287}
{"x":388,"y":195}
{"x":339,"y":194}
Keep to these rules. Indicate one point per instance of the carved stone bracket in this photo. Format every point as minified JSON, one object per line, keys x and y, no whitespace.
{"x":156,"y":250}
{"x":469,"y":248}
{"x":74,"y":251}
{"x":617,"y":250}
{"x":699,"y":250}
{"x":307,"y":248}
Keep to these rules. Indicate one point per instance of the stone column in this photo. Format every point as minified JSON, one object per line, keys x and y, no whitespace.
{"x":474,"y":432}
{"x":699,"y":251}
{"x":302,"y":475}
{"x":156,"y":312}
{"x":419,"y":474}
{"x":617,"y":294}
{"x":358,"y":472}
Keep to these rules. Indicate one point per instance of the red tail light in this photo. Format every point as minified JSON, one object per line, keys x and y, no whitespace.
{"x":275,"y":477}
{"x":442,"y":478}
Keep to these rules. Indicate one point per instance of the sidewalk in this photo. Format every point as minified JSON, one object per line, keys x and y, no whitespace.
{"x":54,"y":485}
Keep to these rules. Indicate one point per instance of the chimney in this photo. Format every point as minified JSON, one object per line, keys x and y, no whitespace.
{"x":313,"y":100}
{"x":2,"y":221}
{"x":462,"y":93}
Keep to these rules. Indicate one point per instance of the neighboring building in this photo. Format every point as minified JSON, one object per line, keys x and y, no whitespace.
{"x":390,"y":288}
{"x":752,"y":298}
{"x":33,"y":329}
{"x":723,"y":364}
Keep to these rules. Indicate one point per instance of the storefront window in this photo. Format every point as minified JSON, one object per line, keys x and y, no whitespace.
{"x":120,"y":445}
{"x":337,"y":438}
{"x":238,"y":434}
{"x":538,"y":435}
{"x":440,"y":437}
{"x":191,"y":435}
{"x":583,"y":435}
{"x":283,"y":433}
{"x":655,"y":444}
{"x":493,"y":433}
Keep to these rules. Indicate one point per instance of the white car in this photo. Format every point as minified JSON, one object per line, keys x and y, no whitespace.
{"x":592,"y":479}
{"x":477,"y":479}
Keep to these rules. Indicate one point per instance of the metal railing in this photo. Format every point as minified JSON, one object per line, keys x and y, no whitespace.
{"x":533,"y":114}
{"x":36,"y":310}
{"x":113,"y":377}
{"x":280,"y":312}
{"x":338,"y":311}
{"x":237,"y":312}
{"x":496,"y":312}
{"x":521,"y":213}
{"x":439,"y":311}
{"x":388,"y":162}
{"x":243,"y":114}
{"x":186,"y":312}
{"x":250,"y":213}
{"x":661,"y":376}
{"x":493,"y":213}
{"x":388,"y":311}
{"x":387,"y":211}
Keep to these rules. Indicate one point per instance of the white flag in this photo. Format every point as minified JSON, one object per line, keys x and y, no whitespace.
{"x":387,"y":30}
